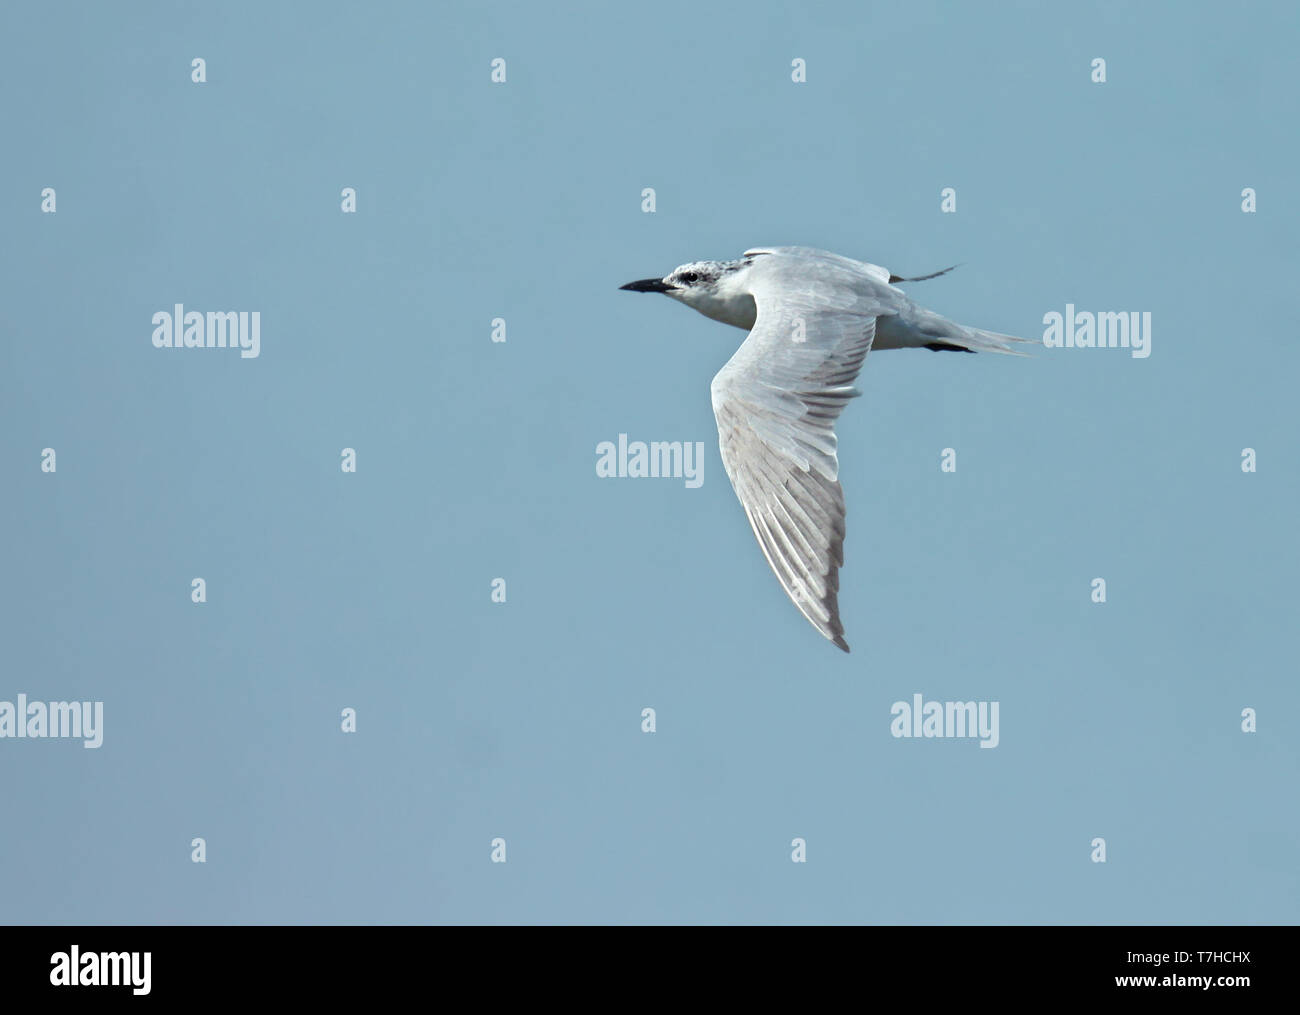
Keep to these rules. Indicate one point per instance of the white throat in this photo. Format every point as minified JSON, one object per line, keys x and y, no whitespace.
{"x":727,"y":301}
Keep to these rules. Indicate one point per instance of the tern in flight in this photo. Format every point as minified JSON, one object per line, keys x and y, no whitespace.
{"x":812,"y":317}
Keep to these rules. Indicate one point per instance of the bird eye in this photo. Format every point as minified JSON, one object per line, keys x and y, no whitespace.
{"x":689,"y":276}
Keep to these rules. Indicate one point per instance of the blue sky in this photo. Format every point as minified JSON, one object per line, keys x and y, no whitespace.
{"x":476,"y":460}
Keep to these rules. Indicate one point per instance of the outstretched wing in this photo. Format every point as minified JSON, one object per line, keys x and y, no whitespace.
{"x":776,"y":402}
{"x":812,"y":253}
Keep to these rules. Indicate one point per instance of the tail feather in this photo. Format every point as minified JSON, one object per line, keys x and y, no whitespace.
{"x":914,"y":327}
{"x":977,"y":340}
{"x":932,"y":330}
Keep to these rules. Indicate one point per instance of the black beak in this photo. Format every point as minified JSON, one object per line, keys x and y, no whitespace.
{"x":649,"y":285}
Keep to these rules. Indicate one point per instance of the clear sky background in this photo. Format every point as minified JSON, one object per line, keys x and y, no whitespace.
{"x":476,"y":460}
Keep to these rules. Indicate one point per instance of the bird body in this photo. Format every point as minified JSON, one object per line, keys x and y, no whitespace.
{"x":812,"y":317}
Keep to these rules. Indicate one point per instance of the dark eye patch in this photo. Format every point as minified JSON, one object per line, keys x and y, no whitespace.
{"x":690,"y":276}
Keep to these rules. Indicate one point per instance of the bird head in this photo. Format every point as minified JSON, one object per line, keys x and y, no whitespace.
{"x":707,"y":286}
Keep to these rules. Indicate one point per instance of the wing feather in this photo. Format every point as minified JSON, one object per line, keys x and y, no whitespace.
{"x":776,"y":402}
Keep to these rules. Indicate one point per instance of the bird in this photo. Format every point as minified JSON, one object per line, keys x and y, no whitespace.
{"x":812,"y":317}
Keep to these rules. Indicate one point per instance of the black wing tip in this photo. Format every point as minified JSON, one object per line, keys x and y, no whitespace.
{"x":839,"y":642}
{"x":946,"y":347}
{"x":921,"y":278}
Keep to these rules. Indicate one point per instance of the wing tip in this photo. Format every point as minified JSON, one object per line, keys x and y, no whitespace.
{"x":839,"y":642}
{"x":921,"y":278}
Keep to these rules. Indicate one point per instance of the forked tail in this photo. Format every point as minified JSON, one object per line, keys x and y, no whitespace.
{"x":960,"y":339}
